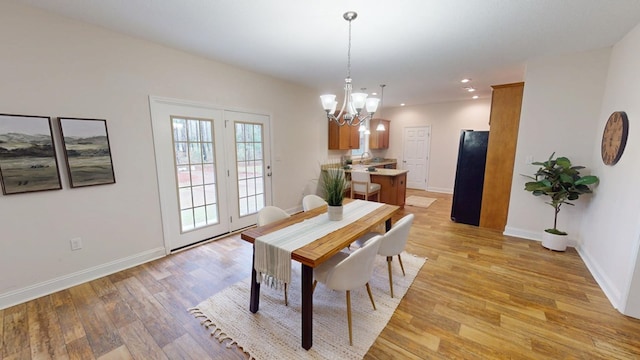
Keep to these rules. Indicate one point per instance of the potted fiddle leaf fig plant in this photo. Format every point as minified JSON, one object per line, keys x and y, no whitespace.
{"x":333,"y":185}
{"x":560,"y":182}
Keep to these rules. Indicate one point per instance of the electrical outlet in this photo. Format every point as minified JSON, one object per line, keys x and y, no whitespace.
{"x":76,"y":244}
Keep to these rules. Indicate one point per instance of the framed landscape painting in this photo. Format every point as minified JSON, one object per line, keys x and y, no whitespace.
{"x":87,"y":151}
{"x":27,"y":154}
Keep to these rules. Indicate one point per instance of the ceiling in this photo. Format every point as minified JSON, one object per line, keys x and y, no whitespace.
{"x":419,"y":48}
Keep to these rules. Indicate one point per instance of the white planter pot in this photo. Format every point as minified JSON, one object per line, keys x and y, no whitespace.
{"x":335,"y":212}
{"x":554,"y":242}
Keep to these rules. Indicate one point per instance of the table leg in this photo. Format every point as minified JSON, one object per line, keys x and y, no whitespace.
{"x":254,"y":302}
{"x":307,"y":307}
{"x":387,"y":224}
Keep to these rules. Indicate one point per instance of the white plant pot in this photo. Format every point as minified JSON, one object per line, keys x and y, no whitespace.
{"x":554,"y":242}
{"x":335,"y":212}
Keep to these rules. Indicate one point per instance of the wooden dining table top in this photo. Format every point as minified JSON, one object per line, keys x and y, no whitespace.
{"x":318,"y":251}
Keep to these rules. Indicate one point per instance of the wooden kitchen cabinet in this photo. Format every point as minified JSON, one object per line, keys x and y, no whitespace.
{"x":379,"y":139}
{"x":504,"y":120}
{"x":393,"y":189}
{"x":343,"y":137}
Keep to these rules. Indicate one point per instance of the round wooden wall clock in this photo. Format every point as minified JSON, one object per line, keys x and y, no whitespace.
{"x":614,"y":137}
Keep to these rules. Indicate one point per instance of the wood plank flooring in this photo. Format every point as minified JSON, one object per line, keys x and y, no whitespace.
{"x":481,"y":295}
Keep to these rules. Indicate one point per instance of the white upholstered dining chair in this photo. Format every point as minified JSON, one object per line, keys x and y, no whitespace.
{"x":345,"y":272}
{"x":312,"y":201}
{"x":361,"y":185}
{"x":267,"y":215}
{"x":393,"y":243}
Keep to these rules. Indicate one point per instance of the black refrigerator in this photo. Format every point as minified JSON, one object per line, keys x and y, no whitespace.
{"x":467,"y":189}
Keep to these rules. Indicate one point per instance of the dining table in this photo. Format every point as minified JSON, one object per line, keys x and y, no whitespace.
{"x":317,"y":251}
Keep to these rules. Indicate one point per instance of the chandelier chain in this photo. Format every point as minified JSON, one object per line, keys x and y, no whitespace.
{"x":356,"y":108}
{"x":349,"y":54}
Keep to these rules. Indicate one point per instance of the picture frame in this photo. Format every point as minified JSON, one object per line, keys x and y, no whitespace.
{"x":28,"y":161}
{"x":87,"y":151}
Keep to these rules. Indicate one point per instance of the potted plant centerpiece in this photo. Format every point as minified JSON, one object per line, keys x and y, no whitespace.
{"x":333,"y":185}
{"x":561,"y":182}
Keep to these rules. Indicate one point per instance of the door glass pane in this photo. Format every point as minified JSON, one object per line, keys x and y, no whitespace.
{"x":207,"y":153}
{"x":195,"y":166}
{"x":196,"y":175}
{"x":242,"y":188}
{"x":209,"y":174}
{"x":200,"y":216}
{"x":198,"y":195}
{"x":185,"y":198}
{"x":186,"y":218}
{"x":212,"y":214}
{"x":250,"y":167}
{"x":210,"y":194}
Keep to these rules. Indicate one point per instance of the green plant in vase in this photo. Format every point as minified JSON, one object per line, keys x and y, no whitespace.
{"x":561,"y":182}
{"x":334,"y":185}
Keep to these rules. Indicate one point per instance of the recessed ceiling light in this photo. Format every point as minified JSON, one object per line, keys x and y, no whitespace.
{"x":464,"y":81}
{"x":470,"y":89}
{"x":402,"y":104}
{"x":475,"y":97}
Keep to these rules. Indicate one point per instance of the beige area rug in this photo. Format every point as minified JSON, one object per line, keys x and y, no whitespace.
{"x":419,"y":201}
{"x":274,"y":331}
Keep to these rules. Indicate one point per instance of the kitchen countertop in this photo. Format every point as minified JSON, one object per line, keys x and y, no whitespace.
{"x":383,"y":172}
{"x":370,"y":162}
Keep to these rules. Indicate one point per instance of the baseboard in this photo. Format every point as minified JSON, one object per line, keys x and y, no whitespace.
{"x":531,"y":235}
{"x":614,"y":296}
{"x":440,"y":190}
{"x":35,"y":291}
{"x":521,"y":233}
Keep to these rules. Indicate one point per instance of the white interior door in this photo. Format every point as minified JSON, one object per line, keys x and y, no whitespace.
{"x":416,"y":143}
{"x":250,"y":166}
{"x":189,"y":146}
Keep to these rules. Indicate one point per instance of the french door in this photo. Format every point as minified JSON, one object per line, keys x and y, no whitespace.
{"x":250,"y":166}
{"x":212,"y":167}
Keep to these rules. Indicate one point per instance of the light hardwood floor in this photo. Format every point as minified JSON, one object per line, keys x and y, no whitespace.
{"x":481,"y":295}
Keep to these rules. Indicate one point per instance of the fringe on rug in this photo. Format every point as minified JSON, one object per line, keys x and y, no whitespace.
{"x":217,"y":332}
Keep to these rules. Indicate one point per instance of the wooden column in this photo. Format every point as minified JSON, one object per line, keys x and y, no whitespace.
{"x":506,"y":103}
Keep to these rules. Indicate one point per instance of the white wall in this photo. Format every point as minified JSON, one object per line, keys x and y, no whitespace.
{"x":54,"y":66}
{"x":446,"y":121}
{"x":611,"y":226}
{"x":560,"y":113}
{"x":567,"y":101}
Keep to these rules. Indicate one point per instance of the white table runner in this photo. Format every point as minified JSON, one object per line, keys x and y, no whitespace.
{"x":273,"y":251}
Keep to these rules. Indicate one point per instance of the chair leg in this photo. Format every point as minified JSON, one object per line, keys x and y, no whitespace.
{"x":349,"y":316}
{"x":402,"y":267}
{"x":371,"y":296}
{"x":286,"y":295}
{"x":389,"y":258}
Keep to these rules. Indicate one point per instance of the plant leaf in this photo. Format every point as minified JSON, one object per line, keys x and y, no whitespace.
{"x":587,"y":180}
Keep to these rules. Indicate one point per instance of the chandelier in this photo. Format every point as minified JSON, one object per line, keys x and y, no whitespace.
{"x":356,"y":107}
